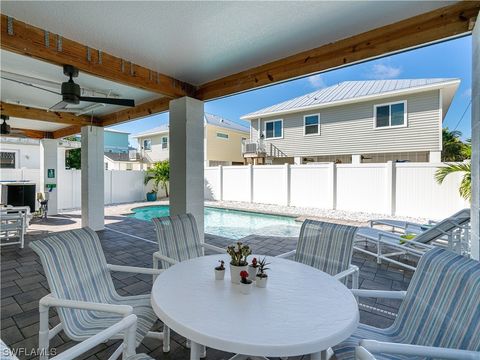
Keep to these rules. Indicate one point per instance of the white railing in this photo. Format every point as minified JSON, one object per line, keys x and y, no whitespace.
{"x":406,"y":189}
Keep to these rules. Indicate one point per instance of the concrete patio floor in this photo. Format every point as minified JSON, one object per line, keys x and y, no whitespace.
{"x":129,"y":241}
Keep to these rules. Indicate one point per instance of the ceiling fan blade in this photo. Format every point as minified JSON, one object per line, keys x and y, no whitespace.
{"x":31,"y":85}
{"x":112,"y":101}
{"x":59,"y":106}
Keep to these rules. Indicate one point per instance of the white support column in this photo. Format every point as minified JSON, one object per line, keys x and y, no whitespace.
{"x":187,"y":159}
{"x":475,"y":215}
{"x":390,"y":181}
{"x":435,"y":156}
{"x":93,"y":186}
{"x":356,"y":159}
{"x":49,"y":173}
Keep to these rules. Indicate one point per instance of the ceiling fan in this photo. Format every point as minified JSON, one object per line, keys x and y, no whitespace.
{"x":72,"y":93}
{"x":6,"y":130}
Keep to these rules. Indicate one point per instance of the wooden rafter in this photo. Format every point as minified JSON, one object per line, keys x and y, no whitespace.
{"x":34,"y":134}
{"x":434,"y":26}
{"x":26,"y":112}
{"x":29,"y":40}
{"x":139,"y":111}
{"x":70,"y":130}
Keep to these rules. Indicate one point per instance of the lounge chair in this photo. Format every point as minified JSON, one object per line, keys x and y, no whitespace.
{"x":14,"y":222}
{"x":396,"y":244}
{"x":178,"y":240}
{"x":460,"y":218}
{"x":82,"y":290}
{"x":438,"y":318}
{"x":327,"y":247}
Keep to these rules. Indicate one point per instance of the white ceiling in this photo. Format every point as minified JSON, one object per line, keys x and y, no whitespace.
{"x":23,"y":65}
{"x":200,"y":41}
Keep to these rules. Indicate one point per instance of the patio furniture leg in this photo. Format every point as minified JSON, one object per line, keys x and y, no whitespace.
{"x":195,"y":351}
{"x":43,"y":334}
{"x":322,"y":355}
{"x":166,"y":338}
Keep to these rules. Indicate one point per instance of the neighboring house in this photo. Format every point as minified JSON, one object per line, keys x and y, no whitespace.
{"x":354,"y":121}
{"x":115,"y":141}
{"x":223,"y":142}
{"x":24,"y":153}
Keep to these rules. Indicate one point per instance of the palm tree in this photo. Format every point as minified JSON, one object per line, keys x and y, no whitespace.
{"x":465,"y":189}
{"x":453,"y":147}
{"x":160,"y":174}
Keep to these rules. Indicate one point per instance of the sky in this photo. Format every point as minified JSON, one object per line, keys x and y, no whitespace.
{"x":450,"y":59}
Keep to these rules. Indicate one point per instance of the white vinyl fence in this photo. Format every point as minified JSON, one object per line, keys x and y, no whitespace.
{"x":407,"y":189}
{"x":120,"y":186}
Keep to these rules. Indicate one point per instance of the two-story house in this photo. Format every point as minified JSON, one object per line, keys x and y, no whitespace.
{"x":353,"y":122}
{"x":222,"y":142}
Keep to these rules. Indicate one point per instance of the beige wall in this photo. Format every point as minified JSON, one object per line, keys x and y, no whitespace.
{"x":224,"y":150}
{"x":123,"y":165}
{"x":218,"y":150}
{"x":348,"y":129}
{"x":157,"y":153}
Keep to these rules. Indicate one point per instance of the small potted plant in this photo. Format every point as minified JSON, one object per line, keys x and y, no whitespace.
{"x":245,"y":283}
{"x":239,"y":254}
{"x":262,"y":277}
{"x":252,"y":269}
{"x":220,"y":270}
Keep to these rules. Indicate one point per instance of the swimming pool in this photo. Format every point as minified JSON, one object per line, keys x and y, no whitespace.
{"x":233,"y":224}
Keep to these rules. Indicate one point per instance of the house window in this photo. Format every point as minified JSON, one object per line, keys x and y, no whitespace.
{"x":274,"y":129}
{"x":391,"y":115}
{"x":147,"y":144}
{"x":222,"y":136}
{"x":129,"y":166}
{"x":106,"y":166}
{"x":164,"y":142}
{"x":8,"y":160}
{"x":311,"y":124}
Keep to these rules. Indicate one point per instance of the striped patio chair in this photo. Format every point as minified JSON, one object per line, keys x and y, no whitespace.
{"x":82,"y":290}
{"x":178,"y":240}
{"x":439,"y":316}
{"x":327,"y":247}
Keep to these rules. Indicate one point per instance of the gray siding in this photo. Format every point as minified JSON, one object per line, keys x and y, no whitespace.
{"x":348,"y":129}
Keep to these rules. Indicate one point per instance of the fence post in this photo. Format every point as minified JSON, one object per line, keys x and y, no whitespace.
{"x":287,"y":183}
{"x":332,"y":175}
{"x":390,"y":173}
{"x":220,"y":182}
{"x":250,"y":182}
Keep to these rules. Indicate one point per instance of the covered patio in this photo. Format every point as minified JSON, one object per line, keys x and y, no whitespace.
{"x":175,"y":57}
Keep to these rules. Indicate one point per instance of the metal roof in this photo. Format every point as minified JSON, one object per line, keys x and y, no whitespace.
{"x":209,"y":119}
{"x":350,"y":90}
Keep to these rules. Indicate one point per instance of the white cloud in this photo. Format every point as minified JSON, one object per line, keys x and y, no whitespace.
{"x":382,"y":71}
{"x":467,"y":93}
{"x":317,"y":81}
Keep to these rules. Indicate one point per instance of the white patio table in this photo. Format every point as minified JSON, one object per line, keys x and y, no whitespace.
{"x":301,"y":311}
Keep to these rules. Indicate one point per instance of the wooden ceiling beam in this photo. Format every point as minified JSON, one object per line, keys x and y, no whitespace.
{"x":68,"y":131}
{"x":33,"y":134}
{"x":26,"y":112}
{"x":143,"y":110}
{"x":453,"y":20}
{"x":38,"y":43}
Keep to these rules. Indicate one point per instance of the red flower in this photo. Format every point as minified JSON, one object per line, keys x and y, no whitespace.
{"x":254,"y":262}
{"x":243,"y":274}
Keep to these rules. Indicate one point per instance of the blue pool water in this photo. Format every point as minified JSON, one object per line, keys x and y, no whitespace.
{"x":232,"y":224}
